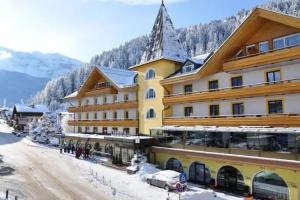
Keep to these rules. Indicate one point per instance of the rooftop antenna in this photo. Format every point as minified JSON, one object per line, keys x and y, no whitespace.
{"x":162,"y":3}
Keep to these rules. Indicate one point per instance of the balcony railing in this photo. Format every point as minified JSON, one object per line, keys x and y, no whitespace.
{"x":105,"y":122}
{"x":260,"y":53}
{"x":266,"y":88}
{"x":274,"y":120}
{"x":259,"y":59}
{"x":106,"y":106}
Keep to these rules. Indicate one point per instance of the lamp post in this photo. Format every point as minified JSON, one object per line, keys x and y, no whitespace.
{"x":137,"y":142}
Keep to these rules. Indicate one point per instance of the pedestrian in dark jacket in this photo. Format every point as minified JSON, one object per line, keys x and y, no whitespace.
{"x":72,"y":148}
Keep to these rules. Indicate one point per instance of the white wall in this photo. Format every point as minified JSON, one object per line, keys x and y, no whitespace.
{"x":252,"y":106}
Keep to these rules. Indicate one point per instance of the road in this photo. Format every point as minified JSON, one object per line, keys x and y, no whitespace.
{"x":42,"y":173}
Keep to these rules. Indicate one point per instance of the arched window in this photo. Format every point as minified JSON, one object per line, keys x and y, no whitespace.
{"x":150,"y":94}
{"x":151,"y":114}
{"x":150,"y":74}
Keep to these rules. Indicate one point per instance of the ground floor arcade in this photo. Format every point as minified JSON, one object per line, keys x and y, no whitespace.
{"x":264,"y":178}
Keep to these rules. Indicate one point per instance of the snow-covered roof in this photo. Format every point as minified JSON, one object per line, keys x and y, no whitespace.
{"x":163,"y":41}
{"x":93,"y":136}
{"x":72,"y":95}
{"x":198,"y":60}
{"x":246,"y":129}
{"x":22,"y":108}
{"x":120,"y":77}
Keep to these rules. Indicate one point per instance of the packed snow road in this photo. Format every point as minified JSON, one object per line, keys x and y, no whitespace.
{"x":41,"y":173}
{"x":37,"y":172}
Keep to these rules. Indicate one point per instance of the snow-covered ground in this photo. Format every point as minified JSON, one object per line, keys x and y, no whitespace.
{"x":43,"y":173}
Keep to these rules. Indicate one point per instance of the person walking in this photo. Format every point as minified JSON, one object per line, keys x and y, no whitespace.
{"x":72,"y":148}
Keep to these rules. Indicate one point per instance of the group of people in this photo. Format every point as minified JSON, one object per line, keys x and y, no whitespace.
{"x":85,"y":151}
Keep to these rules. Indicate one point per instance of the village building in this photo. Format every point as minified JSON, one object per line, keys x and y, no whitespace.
{"x":23,"y":114}
{"x":228,"y":119}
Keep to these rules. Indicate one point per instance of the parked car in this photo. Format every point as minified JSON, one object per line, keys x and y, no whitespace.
{"x":166,"y":179}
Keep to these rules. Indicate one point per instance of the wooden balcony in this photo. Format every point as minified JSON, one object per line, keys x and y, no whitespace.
{"x":260,"y":59}
{"x":113,"y":123}
{"x":111,"y":106}
{"x":100,"y":91}
{"x":280,"y":120}
{"x":263,"y":89}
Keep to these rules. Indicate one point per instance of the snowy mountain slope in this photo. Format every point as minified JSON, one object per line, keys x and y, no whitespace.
{"x":16,"y":86}
{"x":37,"y":64}
{"x":196,"y":40}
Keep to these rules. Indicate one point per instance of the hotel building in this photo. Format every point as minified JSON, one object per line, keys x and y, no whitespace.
{"x":229,"y":119}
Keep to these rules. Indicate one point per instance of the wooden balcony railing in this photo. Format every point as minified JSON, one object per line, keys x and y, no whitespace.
{"x":273,"y":120}
{"x":258,"y":59}
{"x":108,"y":122}
{"x":100,"y":107}
{"x":262,"y":89}
{"x":100,"y":91}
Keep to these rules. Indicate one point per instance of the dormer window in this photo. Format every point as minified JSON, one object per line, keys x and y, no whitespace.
{"x":251,"y":49}
{"x":187,"y":68}
{"x":240,"y":53}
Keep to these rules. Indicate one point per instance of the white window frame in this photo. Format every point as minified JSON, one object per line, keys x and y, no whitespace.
{"x":264,"y":42}
{"x":251,"y":45}
{"x":147,"y":74}
{"x":154,"y":113}
{"x":147,"y":91}
{"x":283,"y":38}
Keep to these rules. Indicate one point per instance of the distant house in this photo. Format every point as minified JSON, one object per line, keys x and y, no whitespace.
{"x":24,"y":114}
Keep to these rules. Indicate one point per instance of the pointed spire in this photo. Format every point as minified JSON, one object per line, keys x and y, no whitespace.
{"x":163,"y":40}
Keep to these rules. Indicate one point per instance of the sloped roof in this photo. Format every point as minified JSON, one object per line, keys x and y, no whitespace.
{"x":248,"y":26}
{"x":72,"y":95}
{"x":197,"y":60}
{"x":121,"y":78}
{"x":22,"y":108}
{"x":163,"y":41}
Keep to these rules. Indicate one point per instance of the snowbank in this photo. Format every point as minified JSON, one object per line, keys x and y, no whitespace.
{"x":146,"y":169}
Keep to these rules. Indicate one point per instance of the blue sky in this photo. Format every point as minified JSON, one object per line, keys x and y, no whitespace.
{"x":82,"y":28}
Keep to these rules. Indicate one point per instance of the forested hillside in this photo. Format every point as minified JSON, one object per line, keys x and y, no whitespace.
{"x":196,"y":39}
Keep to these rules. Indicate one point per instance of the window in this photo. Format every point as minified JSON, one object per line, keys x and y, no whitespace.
{"x":79,"y":116}
{"x":87,"y":101}
{"x":150,"y":74}
{"x":95,"y":115}
{"x":288,"y":41}
{"x":213,"y":85}
{"x":104,"y":100}
{"x":150,"y":94}
{"x":188,"y":111}
{"x":79,"y":129}
{"x":104,"y":130}
{"x":238,"y":109}
{"x":251,"y":49}
{"x":188,"y":88}
{"x":187,"y":68}
{"x":214,"y":110}
{"x":151,"y":114}
{"x":115,"y":98}
{"x":95,"y":130}
{"x":126,"y":131}
{"x":87,"y":116}
{"x":275,"y":106}
{"x":79,"y":103}
{"x":273,"y":76}
{"x":126,"y":98}
{"x":126,"y":115}
{"x":104,"y":115}
{"x":237,"y":82}
{"x":240,"y":53}
{"x":87,"y":129}
{"x":264,"y":47}
{"x":95,"y":101}
{"x":115,"y":115}
{"x":115,"y":130}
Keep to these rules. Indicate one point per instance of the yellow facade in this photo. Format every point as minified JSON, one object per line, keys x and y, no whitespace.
{"x":291,"y":177}
{"x":162,"y":68}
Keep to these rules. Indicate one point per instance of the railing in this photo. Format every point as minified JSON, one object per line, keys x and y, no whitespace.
{"x":237,"y":87}
{"x":109,"y":119}
{"x":233,"y":116}
{"x":260,"y":53}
